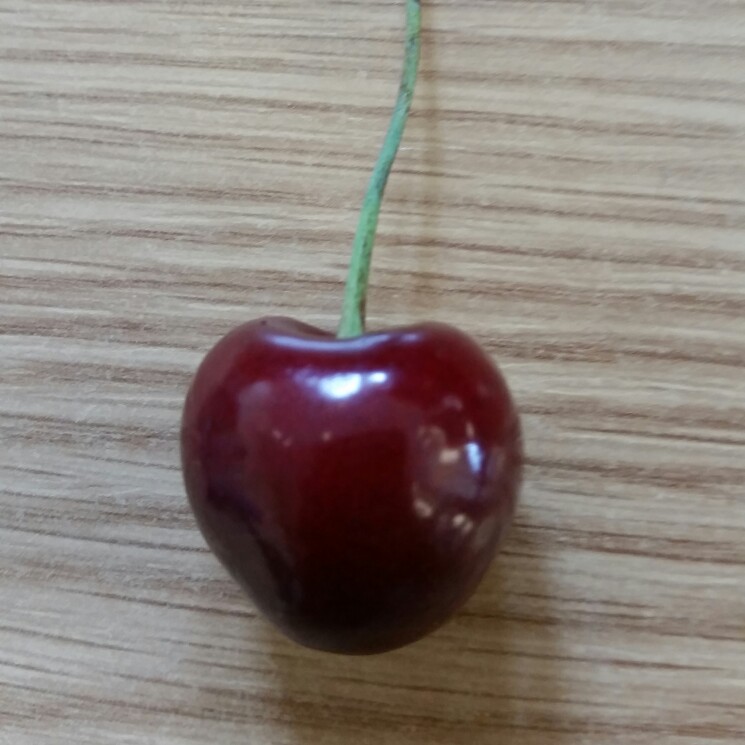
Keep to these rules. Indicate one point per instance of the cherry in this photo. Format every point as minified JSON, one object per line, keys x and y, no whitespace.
{"x":357,"y":488}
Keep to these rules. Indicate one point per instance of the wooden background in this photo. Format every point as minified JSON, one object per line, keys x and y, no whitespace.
{"x":571,"y":192}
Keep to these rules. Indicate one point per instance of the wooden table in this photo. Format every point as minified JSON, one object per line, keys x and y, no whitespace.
{"x":571,"y":192}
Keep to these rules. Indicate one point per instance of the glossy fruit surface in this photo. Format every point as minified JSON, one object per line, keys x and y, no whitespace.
{"x":357,"y":488}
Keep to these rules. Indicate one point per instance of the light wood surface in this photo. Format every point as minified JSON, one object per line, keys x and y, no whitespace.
{"x":571,"y":192}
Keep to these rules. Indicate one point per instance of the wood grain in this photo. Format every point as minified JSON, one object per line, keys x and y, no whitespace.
{"x":571,"y":192}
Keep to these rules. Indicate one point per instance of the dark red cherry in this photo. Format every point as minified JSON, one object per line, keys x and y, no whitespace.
{"x":357,"y":488}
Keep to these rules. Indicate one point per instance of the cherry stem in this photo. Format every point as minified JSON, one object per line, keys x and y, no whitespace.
{"x":355,"y":296}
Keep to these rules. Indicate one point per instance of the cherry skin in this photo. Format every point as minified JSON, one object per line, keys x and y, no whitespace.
{"x":358,"y":489}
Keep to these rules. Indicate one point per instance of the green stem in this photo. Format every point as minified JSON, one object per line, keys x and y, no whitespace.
{"x":355,"y":296}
